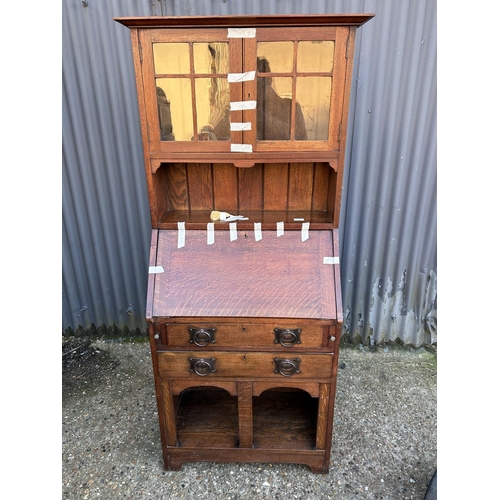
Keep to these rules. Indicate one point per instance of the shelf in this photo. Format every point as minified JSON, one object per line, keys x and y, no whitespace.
{"x":198,"y":219}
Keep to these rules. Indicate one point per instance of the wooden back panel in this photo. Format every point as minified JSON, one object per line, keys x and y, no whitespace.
{"x":272,"y":187}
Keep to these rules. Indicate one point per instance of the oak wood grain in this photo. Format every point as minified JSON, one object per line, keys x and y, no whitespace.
{"x":275,"y":277}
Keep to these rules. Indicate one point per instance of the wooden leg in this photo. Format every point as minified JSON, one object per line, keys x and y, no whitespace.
{"x":173,"y":465}
{"x":320,"y":469}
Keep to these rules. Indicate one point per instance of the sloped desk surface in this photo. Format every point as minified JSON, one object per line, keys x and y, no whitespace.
{"x":276,"y":277}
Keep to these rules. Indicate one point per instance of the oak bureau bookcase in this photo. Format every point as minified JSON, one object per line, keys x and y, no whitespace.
{"x":244,"y":123}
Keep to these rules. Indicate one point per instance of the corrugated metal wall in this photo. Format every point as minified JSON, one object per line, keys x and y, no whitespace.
{"x":388,"y":226}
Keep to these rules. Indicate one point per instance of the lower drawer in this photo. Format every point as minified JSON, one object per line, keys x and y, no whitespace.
{"x":244,"y":365}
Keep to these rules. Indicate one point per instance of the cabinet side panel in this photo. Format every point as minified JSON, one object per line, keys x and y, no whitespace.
{"x":333,"y":193}
{"x":322,"y":423}
{"x":159,"y":186}
{"x":168,"y":409}
{"x":320,"y":186}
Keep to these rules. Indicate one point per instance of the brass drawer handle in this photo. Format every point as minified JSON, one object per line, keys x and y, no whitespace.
{"x":286,"y":366}
{"x":287,"y":337}
{"x":202,"y":336}
{"x":202,"y":366}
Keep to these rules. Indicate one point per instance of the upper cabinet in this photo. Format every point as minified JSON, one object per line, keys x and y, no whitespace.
{"x":244,"y":114}
{"x":242,"y":85}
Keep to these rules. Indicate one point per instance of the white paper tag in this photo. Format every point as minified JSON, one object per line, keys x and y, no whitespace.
{"x":233,"y":233}
{"x":181,"y":238}
{"x":257,"y":227}
{"x":241,"y":32}
{"x":241,"y":148}
{"x":241,"y":77}
{"x":305,"y":231}
{"x":223,"y":216}
{"x":156,"y":269}
{"x":235,"y":126}
{"x":242,"y":105}
{"x":210,"y":233}
{"x":280,"y":228}
{"x":331,"y":260}
{"x":298,"y":219}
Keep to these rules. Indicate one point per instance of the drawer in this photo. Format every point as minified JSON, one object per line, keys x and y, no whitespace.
{"x":222,"y":335}
{"x":248,"y":365}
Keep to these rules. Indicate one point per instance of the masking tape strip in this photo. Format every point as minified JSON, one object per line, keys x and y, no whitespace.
{"x":305,"y":231}
{"x":241,"y":77}
{"x":236,"y":126}
{"x":242,"y":105}
{"x":241,"y":32}
{"x":241,"y":148}
{"x":280,"y":228}
{"x":210,"y":233}
{"x":181,"y":238}
{"x":257,"y":227}
{"x":233,"y":234}
{"x":331,"y":260}
{"x":156,"y":269}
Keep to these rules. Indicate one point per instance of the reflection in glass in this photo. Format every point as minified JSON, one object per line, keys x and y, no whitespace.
{"x":274,"y":107}
{"x":164,"y":116}
{"x":211,"y":58}
{"x":278,"y":54}
{"x":171,"y":58}
{"x":316,"y":56}
{"x":174,"y":95}
{"x":313,"y":92}
{"x":212,"y":109}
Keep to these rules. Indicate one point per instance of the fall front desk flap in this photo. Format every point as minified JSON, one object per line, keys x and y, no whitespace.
{"x":239,"y":273}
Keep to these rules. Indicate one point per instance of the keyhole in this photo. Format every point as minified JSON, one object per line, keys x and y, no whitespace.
{"x":248,"y":96}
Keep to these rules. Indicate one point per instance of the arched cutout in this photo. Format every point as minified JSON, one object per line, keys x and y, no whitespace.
{"x":311,"y":388}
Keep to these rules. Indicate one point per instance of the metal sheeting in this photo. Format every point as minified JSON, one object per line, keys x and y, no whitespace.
{"x":388,"y":226}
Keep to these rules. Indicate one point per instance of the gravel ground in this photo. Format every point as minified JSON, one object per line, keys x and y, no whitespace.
{"x":384,"y":444}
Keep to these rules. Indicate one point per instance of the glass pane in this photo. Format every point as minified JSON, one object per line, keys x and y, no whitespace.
{"x":171,"y":58}
{"x":175,"y":109}
{"x":313,"y":94}
{"x":211,"y":58}
{"x":315,"y":56}
{"x":274,"y":108}
{"x":212,"y":109}
{"x":276,"y":57}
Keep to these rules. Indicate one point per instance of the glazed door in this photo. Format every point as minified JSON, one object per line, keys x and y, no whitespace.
{"x":279,"y":90}
{"x":187,"y":89}
{"x":300,"y":78}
